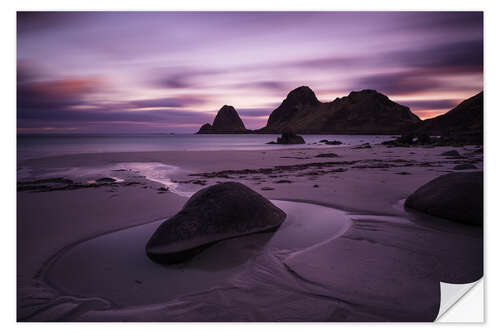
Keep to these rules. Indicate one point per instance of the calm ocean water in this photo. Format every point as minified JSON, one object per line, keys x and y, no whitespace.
{"x":34,"y":146}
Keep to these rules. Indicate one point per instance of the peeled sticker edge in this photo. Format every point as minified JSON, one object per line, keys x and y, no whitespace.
{"x":451,"y":293}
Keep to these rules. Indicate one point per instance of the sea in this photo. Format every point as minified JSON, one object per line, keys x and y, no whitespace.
{"x":42,"y":145}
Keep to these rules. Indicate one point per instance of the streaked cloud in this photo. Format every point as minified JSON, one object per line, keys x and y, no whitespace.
{"x":151,"y":71}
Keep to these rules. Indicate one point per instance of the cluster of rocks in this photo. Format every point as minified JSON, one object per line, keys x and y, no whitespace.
{"x":60,"y":184}
{"x":423,"y":139}
{"x":289,"y":138}
{"x":409,"y":140}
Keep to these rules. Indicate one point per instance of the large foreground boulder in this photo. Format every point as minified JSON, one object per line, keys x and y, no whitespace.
{"x":455,"y":196}
{"x":218,"y":212}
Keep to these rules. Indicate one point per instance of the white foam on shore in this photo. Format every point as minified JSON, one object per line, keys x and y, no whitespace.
{"x":153,"y":171}
{"x":157,"y":172}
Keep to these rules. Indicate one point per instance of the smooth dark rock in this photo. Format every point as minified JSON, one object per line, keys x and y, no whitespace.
{"x":215,"y":213}
{"x":455,"y":196}
{"x":290,"y":139}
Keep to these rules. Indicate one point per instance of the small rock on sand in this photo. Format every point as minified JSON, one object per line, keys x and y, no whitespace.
{"x":327,"y":155}
{"x":267,"y":188}
{"x":363,"y":146}
{"x":283,"y":181}
{"x":333,"y":142}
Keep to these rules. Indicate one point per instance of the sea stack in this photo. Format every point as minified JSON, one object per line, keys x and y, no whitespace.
{"x":298,"y":100}
{"x":361,"y":112}
{"x":227,"y":121}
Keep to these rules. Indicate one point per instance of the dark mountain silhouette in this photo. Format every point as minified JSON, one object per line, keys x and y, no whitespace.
{"x":297,"y":100}
{"x":366,"y":111}
{"x":465,"y":119}
{"x":361,"y":112}
{"x":227,"y":121}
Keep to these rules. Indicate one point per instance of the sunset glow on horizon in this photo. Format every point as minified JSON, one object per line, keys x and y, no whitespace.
{"x":157,"y":72}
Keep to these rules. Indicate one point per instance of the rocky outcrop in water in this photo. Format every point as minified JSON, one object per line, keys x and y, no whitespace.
{"x":290,"y":139}
{"x":205,"y":129}
{"x":365,"y":111}
{"x":213,"y":214}
{"x":362,"y":112}
{"x":227,"y":121}
{"x":455,"y":196}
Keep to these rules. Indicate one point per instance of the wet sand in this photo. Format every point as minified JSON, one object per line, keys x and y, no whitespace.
{"x":121,"y":256}
{"x":386,"y":257}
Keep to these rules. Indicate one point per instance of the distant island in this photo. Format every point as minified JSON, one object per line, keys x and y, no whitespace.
{"x":227,"y":121}
{"x":361,"y":112}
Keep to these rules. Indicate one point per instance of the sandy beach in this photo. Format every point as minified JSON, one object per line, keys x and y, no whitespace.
{"x":345,"y":211}
{"x":248,"y":166}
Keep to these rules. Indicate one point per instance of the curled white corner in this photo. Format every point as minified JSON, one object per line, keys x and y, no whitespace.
{"x":450,"y":294}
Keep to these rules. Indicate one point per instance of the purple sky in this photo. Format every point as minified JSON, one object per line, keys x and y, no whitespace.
{"x":159,"y":72}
